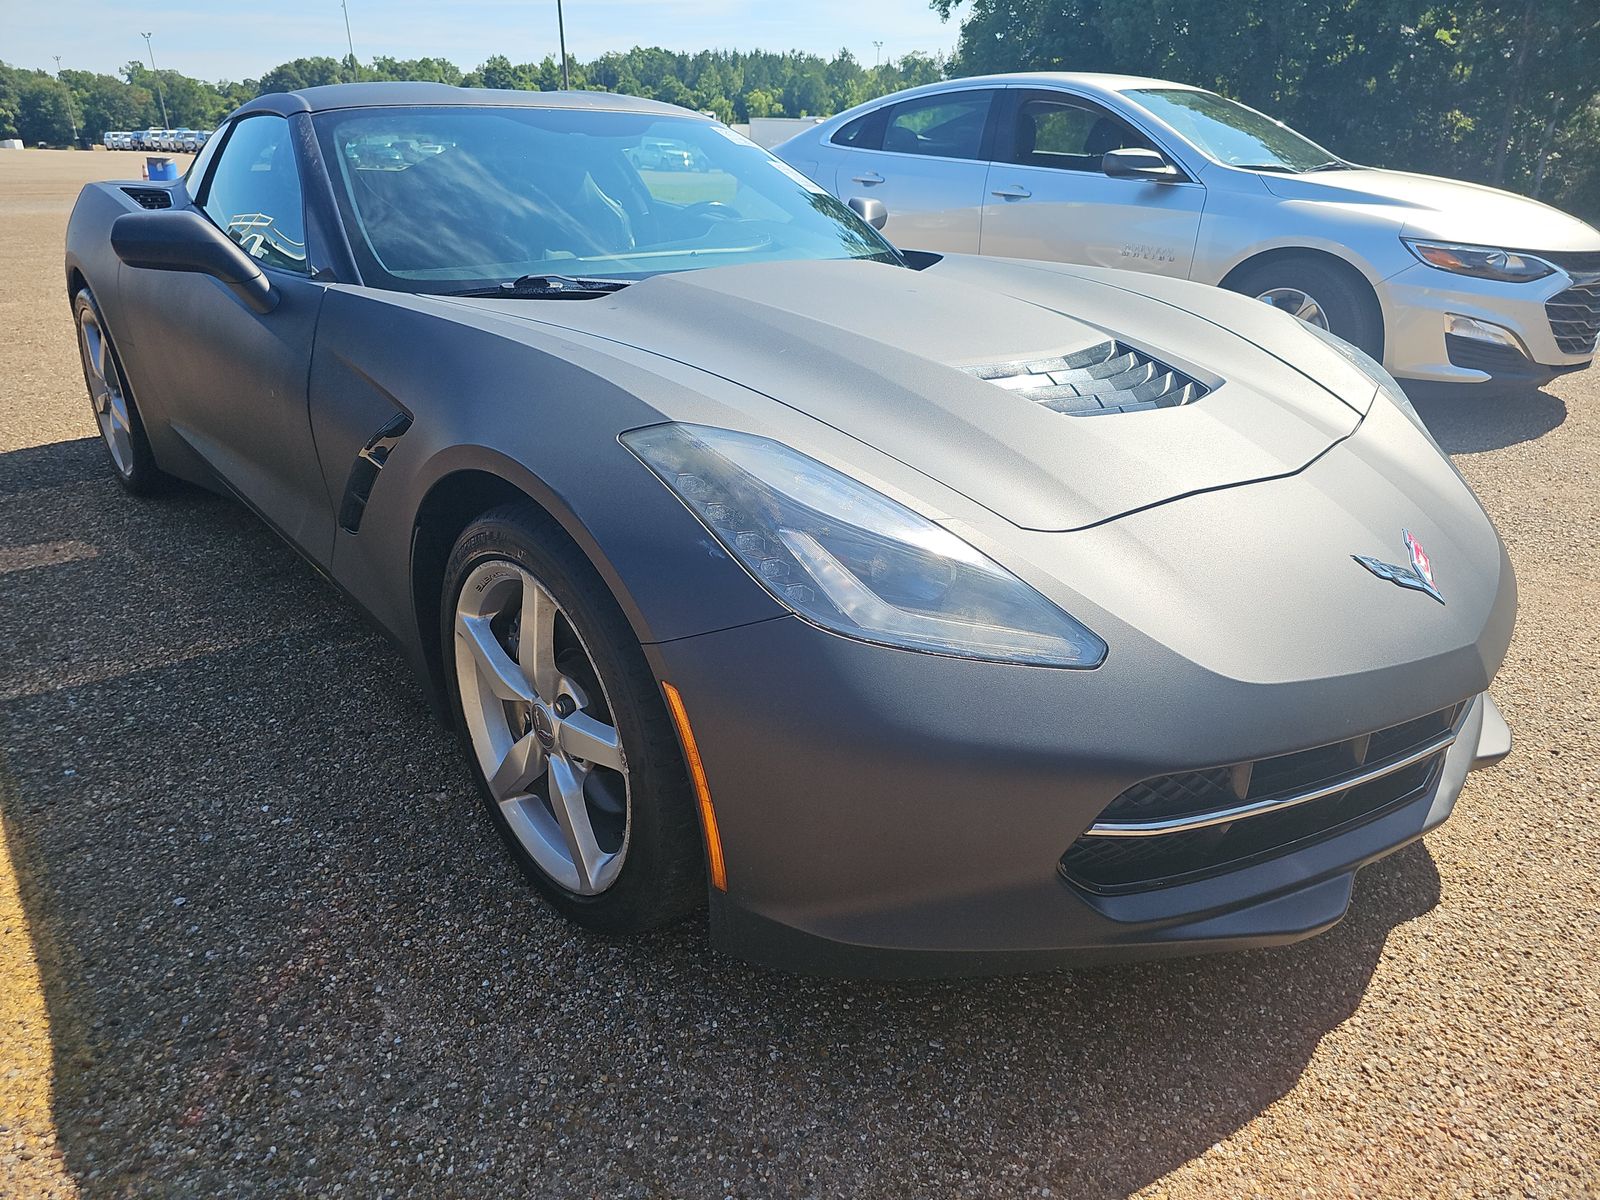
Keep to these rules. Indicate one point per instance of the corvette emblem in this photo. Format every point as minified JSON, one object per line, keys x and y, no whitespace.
{"x":1418,"y":576}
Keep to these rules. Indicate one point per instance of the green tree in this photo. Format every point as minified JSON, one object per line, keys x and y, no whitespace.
{"x":44,"y":112}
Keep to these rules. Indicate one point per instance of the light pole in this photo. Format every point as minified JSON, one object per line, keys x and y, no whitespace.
{"x":71,"y":116}
{"x":877,"y":59}
{"x":561,"y":29}
{"x":348,"y":39}
{"x":166,"y":121}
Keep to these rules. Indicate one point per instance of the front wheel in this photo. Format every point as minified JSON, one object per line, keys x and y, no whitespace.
{"x":116,"y":414}
{"x":1319,"y":292}
{"x":570,"y":742}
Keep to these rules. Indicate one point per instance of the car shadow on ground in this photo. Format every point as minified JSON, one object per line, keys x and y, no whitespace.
{"x":280,"y":950}
{"x":1470,"y":420}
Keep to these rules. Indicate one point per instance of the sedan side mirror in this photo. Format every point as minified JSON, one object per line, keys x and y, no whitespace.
{"x":181,"y":240}
{"x":871,"y":211}
{"x":1138,"y":164}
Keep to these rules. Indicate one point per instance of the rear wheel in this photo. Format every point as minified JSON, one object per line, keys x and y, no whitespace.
{"x":570,"y":743}
{"x":1319,"y":292}
{"x":121,"y":429}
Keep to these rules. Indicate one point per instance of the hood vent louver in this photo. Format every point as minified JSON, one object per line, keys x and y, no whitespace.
{"x":150,"y":197}
{"x":1104,"y":378}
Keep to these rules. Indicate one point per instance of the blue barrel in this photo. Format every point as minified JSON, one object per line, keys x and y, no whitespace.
{"x":160,"y":169}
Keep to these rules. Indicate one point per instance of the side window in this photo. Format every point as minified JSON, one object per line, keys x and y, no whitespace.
{"x":948,"y":125}
{"x":864,"y":133}
{"x":254,"y":195}
{"x":1056,"y":131}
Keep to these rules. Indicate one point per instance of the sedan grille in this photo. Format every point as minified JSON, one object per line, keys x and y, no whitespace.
{"x":1180,"y":827}
{"x":1575,"y":317}
{"x":1104,"y":378}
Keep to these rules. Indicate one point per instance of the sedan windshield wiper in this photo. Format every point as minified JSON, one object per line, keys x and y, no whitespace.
{"x":1333,"y":164}
{"x":546,"y":286}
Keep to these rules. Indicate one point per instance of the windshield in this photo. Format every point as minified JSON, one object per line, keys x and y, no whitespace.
{"x":1231,"y":133}
{"x":442,"y":199}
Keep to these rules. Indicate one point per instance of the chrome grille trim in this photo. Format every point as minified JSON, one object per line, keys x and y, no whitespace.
{"x":1269,"y":804}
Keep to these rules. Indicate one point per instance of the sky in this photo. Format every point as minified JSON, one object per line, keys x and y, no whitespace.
{"x":226,"y":39}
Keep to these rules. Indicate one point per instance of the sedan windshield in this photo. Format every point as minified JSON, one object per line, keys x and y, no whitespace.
{"x":455,"y":198}
{"x":1233,"y":134}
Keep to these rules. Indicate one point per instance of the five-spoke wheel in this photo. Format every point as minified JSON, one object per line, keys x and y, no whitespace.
{"x":114,"y":409}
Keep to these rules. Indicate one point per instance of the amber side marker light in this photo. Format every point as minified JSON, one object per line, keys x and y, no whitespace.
{"x":702,"y":792}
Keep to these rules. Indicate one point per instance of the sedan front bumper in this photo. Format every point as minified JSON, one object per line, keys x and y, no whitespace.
{"x":895,"y":814}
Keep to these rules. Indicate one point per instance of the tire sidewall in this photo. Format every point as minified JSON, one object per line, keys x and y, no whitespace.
{"x":1351,"y":315}
{"x":142,"y":476}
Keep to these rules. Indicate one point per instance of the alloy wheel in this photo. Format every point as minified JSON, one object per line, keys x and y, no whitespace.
{"x":1296,"y":303}
{"x":105,"y":391}
{"x":541,"y":727}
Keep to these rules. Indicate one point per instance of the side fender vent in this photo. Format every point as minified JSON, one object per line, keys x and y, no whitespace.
{"x":1104,"y":378}
{"x":150,"y":197}
{"x":364,"y":471}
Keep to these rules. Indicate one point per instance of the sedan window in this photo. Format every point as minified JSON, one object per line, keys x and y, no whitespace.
{"x":1233,"y":134}
{"x":946,"y":126}
{"x":1056,"y":132}
{"x":254,"y":193}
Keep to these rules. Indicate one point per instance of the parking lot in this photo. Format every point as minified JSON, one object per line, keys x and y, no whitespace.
{"x":256,"y":939}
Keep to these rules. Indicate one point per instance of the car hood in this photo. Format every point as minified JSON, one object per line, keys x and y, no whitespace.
{"x":886,"y":356}
{"x":1443,"y":208}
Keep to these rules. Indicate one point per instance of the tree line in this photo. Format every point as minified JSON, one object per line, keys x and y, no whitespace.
{"x":1505,"y":92}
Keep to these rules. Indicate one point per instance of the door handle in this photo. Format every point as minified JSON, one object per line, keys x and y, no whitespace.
{"x":1015,"y":192}
{"x":870,"y":178}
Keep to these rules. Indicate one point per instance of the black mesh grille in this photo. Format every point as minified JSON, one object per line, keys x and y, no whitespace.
{"x":1485,"y":356}
{"x":1104,"y":378}
{"x":151,"y":197}
{"x":1117,"y":864}
{"x":1573,"y":262}
{"x":1575,"y":317}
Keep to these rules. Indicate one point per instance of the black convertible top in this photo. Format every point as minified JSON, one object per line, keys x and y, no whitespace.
{"x":384,"y":95}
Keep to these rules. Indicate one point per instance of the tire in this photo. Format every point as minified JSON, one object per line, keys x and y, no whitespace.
{"x":1346,"y":303}
{"x":116,"y":414}
{"x":660,"y":874}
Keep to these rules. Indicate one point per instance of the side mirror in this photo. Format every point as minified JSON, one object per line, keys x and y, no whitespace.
{"x":871,"y":211}
{"x":180,"y":240}
{"x":1138,"y":164}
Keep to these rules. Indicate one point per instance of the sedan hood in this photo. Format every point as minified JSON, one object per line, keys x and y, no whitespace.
{"x":895,"y":358}
{"x":1428,"y":206}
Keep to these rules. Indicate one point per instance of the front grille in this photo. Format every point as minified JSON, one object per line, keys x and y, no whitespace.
{"x":1575,"y":317}
{"x":1108,"y":377}
{"x":151,"y":197}
{"x":1299,"y":798}
{"x":1576,"y":263}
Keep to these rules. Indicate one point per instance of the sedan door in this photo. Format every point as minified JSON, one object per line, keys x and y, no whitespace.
{"x":925,"y":159}
{"x":230,"y":381}
{"x":1048,"y":198}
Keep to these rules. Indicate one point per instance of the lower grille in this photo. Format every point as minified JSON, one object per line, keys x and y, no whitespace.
{"x":1181,"y":827}
{"x":1104,"y":378}
{"x":1575,"y":317}
{"x":1485,"y":356}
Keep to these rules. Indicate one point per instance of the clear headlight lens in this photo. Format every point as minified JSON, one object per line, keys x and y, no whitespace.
{"x":1481,"y":262}
{"x":852,"y":560}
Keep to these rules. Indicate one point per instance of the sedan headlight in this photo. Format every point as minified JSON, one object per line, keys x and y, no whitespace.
{"x":1481,"y":262}
{"x":852,"y":560}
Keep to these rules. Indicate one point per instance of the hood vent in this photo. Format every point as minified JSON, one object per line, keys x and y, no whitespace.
{"x":1104,"y":378}
{"x":151,"y":197}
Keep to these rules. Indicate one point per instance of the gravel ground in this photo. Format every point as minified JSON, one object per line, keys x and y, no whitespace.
{"x":256,"y":939}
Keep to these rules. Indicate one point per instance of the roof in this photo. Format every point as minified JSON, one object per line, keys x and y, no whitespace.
{"x":392,"y":95}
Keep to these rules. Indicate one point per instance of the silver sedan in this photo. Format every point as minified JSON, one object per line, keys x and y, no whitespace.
{"x":1441,"y":280}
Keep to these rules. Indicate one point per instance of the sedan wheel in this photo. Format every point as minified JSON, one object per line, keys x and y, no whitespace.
{"x":541,"y":727}
{"x":576,"y":758}
{"x":1297,"y":304}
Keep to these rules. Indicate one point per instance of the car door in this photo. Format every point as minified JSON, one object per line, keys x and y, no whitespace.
{"x":1047,"y":196}
{"x":925,"y":159}
{"x":231,"y":382}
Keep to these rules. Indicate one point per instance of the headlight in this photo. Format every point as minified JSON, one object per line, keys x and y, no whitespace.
{"x":852,"y":560}
{"x":1481,"y":262}
{"x":1371,"y":367}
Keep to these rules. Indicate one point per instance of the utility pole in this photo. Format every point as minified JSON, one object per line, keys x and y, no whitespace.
{"x":71,"y":116}
{"x":348,"y":39}
{"x":561,"y":28}
{"x":166,"y":121}
{"x":877,"y":60}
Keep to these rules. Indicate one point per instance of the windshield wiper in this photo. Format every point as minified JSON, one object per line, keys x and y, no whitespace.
{"x":1333,"y":164}
{"x":1280,"y":167}
{"x":546,"y":286}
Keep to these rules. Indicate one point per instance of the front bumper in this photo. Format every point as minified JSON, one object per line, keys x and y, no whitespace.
{"x":1418,"y":302}
{"x":892,"y":814}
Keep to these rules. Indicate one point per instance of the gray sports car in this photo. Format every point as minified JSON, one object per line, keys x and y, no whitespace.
{"x":926,"y":614}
